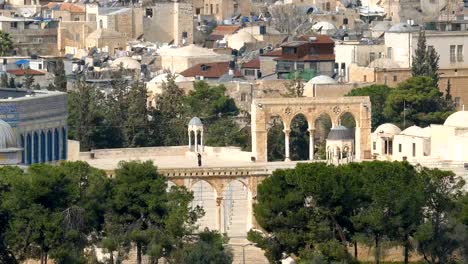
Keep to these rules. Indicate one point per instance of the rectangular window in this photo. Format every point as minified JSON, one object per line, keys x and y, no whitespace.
{"x":459,"y":53}
{"x":149,"y":12}
{"x":399,"y":148}
{"x":289,"y":50}
{"x":452,"y":53}
{"x":14,"y":24}
{"x":414,"y":149}
{"x":365,"y":78}
{"x":249,"y":72}
{"x":39,"y":66}
{"x":243,"y":97}
{"x":389,"y":52}
{"x":395,"y":78}
{"x":217,"y":8}
{"x":374,"y":145}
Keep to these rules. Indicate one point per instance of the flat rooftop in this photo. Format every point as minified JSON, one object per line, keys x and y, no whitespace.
{"x":8,"y":94}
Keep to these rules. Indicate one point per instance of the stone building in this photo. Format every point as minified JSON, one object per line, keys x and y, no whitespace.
{"x":169,"y":22}
{"x":39,"y":121}
{"x":31,"y":36}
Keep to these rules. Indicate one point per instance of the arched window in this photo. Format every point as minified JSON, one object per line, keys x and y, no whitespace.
{"x":49,"y":145}
{"x":56,"y":145}
{"x":28,"y":149}
{"x":43,"y":147}
{"x":22,"y":152}
{"x":64,"y":143}
{"x":35,"y":147}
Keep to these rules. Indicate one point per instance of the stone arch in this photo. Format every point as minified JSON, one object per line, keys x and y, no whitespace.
{"x":299,"y":139}
{"x":262,"y":108}
{"x":275,"y":140}
{"x":339,"y":118}
{"x":235,"y":208}
{"x":205,"y":196}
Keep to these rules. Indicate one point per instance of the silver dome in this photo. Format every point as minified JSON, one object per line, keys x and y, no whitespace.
{"x":195,"y":122}
{"x":340,"y":133}
{"x":7,"y":137}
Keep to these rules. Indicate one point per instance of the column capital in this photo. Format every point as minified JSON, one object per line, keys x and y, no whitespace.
{"x":218,"y":201}
{"x":286,"y":131}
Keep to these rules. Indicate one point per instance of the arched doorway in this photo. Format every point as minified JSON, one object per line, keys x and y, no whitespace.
{"x":299,"y":138}
{"x":235,"y":209}
{"x":275,"y":139}
{"x":322,"y":127}
{"x":204,"y":195}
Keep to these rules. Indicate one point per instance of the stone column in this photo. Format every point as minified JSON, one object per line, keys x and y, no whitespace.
{"x":190,"y":140}
{"x":311,"y":143}
{"x":219,"y":218}
{"x":286,"y":144}
{"x":201,"y":139}
{"x":196,"y":141}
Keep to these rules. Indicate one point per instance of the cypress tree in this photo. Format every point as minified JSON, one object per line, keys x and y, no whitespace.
{"x":425,"y":61}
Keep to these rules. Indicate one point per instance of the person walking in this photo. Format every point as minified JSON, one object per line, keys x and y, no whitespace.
{"x":199,"y":159}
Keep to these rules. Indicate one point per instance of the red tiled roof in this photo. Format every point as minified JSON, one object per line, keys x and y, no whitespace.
{"x":273,"y":53}
{"x":213,"y":70}
{"x":73,"y":8}
{"x":225,"y":30}
{"x":22,"y":72}
{"x":255,"y":64}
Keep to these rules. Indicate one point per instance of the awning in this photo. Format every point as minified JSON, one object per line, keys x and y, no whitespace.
{"x":21,"y":62}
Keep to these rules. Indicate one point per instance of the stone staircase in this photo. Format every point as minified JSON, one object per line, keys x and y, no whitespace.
{"x":245,"y":253}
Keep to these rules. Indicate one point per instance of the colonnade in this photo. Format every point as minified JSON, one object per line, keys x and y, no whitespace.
{"x":197,"y":147}
{"x":311,"y":143}
{"x":45,"y":145}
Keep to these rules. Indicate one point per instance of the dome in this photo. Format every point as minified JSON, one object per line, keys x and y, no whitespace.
{"x":324,"y":25}
{"x":457,"y":119}
{"x":402,"y":27}
{"x":383,"y":63}
{"x":163,"y":78}
{"x":322,"y":79}
{"x":388,"y":129}
{"x":127,"y":63}
{"x":340,"y":133}
{"x":412,"y":131}
{"x":195,"y":121}
{"x":7,"y":137}
{"x":238,"y":40}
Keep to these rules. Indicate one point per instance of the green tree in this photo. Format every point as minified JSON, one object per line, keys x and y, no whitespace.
{"x":152,"y":218}
{"x":416,"y":101}
{"x":60,"y":78}
{"x":439,"y":236}
{"x":395,"y":203}
{"x":28,"y":79}
{"x":425,"y":61}
{"x":378,"y":96}
{"x":117,"y":104}
{"x":208,"y":248}
{"x":6,"y":44}
{"x":136,"y":128}
{"x":86,"y":119}
{"x":4,"y":80}
{"x":295,"y":87}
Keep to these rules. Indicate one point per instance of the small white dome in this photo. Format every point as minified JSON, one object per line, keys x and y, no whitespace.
{"x":388,"y":129}
{"x":324,"y":25}
{"x":238,"y":40}
{"x":163,"y":78}
{"x":195,"y":121}
{"x":322,"y":79}
{"x":457,"y":119}
{"x":383,"y":63}
{"x":127,"y":63}
{"x":7,"y":137}
{"x":412,"y":131}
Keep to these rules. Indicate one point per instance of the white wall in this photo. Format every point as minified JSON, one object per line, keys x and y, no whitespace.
{"x":421,"y":144}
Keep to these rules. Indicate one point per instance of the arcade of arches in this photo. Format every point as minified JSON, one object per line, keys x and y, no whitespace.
{"x":287,"y":109}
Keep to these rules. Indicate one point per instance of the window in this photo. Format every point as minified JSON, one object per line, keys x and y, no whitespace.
{"x":456,"y":101}
{"x":249,"y":72}
{"x":149,"y":12}
{"x":365,"y":78}
{"x":197,"y":11}
{"x":459,"y":53}
{"x":243,"y":97}
{"x":77,"y":18}
{"x":217,"y":8}
{"x":101,"y":24}
{"x":399,"y":148}
{"x":289,"y":50}
{"x":414,"y":149}
{"x":395,"y":78}
{"x":374,"y":145}
{"x":211,"y":9}
{"x":328,"y":6}
{"x":300,"y":66}
{"x":452,"y":53}
{"x":37,"y":40}
{"x":371,"y":56}
{"x":39,"y":66}
{"x":206,"y":9}
{"x":380,"y":55}
{"x":389,"y":52}
{"x":14,"y":24}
